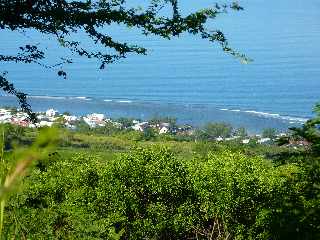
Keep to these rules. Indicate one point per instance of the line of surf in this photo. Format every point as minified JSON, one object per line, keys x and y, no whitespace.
{"x":83,"y":98}
{"x":269,"y":115}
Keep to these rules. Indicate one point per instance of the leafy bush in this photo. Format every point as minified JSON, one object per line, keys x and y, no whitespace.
{"x":149,"y":193}
{"x":14,"y":166}
{"x":310,"y":131}
{"x":269,"y":133}
{"x":125,"y":122}
{"x":156,"y":195}
{"x":215,"y":130}
{"x":11,"y":135}
{"x":143,"y":194}
{"x":237,"y":192}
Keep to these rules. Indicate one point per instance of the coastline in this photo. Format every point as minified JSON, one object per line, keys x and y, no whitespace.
{"x":196,"y":115}
{"x":99,"y":123}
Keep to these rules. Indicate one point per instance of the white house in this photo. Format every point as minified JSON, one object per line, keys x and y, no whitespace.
{"x":264,"y":140}
{"x":96,"y":117}
{"x":140,"y":126}
{"x":44,"y":124}
{"x":51,"y":112}
{"x":245,"y":141}
{"x":163,"y":130}
{"x":232,"y":138}
{"x":4,"y":112}
{"x":5,"y":115}
{"x":70,"y":118}
{"x":5,"y":118}
{"x":89,"y":122}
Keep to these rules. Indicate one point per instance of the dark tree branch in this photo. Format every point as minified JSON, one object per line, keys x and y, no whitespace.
{"x":8,"y":87}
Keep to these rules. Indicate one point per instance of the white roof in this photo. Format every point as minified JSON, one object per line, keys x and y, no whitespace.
{"x":45,"y":123}
{"x":97,"y":116}
{"x":219,"y":139}
{"x":245,"y":141}
{"x":263,"y":140}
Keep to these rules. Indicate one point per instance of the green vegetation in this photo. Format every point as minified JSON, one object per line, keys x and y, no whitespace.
{"x":310,"y":130}
{"x":241,"y":132}
{"x":114,"y":183}
{"x":11,"y":134}
{"x":126,"y":122}
{"x":269,"y":133}
{"x":215,"y":130}
{"x":121,"y":184}
{"x":15,"y":165}
{"x":158,"y":120}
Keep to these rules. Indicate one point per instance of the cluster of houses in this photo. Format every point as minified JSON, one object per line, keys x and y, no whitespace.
{"x":162,"y":127}
{"x":17,"y":118}
{"x":51,"y":116}
{"x":93,"y":120}
{"x":46,"y":119}
{"x":246,"y":140}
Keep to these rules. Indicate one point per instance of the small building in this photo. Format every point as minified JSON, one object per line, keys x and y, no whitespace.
{"x":245,"y":141}
{"x":94,"y":120}
{"x":91,"y":123}
{"x":135,"y":122}
{"x":298,"y":143}
{"x":23,"y":122}
{"x":219,"y":139}
{"x":140,"y":126}
{"x":5,"y":118}
{"x":96,"y":117}
{"x":51,"y":113}
{"x":264,"y":140}
{"x":70,"y":118}
{"x":232,"y":138}
{"x":4,"y":112}
{"x":44,"y":124}
{"x":164,"y":130}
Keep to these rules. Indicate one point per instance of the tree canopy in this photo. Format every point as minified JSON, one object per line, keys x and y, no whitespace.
{"x":212,"y":131}
{"x":64,"y":19}
{"x":310,"y":131}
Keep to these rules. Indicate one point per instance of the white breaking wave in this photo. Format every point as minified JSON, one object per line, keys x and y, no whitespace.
{"x":107,"y":100}
{"x":270,"y":115}
{"x":81,"y":98}
{"x":124,"y":101}
{"x":60,"y":97}
{"x":296,"y":119}
{"x":47,"y":97}
{"x":276,"y":115}
{"x":263,"y":113}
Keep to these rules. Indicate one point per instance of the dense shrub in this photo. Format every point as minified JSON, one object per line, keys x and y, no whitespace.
{"x":269,"y":133}
{"x":12,"y":135}
{"x":239,"y":193}
{"x":214,"y":130}
{"x":144,"y":194}
{"x":152,"y":194}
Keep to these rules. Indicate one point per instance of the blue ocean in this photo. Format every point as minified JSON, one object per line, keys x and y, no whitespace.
{"x":187,"y":77}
